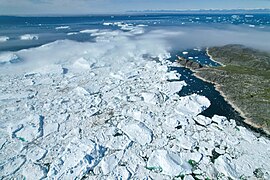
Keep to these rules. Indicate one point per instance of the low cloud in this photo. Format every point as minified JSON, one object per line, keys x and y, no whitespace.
{"x":190,"y":37}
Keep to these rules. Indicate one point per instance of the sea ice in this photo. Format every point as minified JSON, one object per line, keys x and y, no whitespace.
{"x":109,"y":109}
{"x":77,"y":160}
{"x":34,"y":171}
{"x":168,"y":163}
{"x":202,"y":120}
{"x":137,"y":131}
{"x":28,"y":129}
{"x":9,"y":58}
{"x":11,"y":166}
{"x":81,"y":64}
{"x":192,"y":105}
{"x":155,"y":98}
{"x":109,"y":163}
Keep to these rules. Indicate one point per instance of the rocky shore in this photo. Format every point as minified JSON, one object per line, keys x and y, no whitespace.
{"x":243,"y":80}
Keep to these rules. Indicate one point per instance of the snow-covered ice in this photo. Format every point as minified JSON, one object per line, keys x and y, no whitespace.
{"x":8,"y":57}
{"x":110,"y":109}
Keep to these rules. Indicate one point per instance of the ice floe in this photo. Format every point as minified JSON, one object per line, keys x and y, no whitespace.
{"x":9,"y":57}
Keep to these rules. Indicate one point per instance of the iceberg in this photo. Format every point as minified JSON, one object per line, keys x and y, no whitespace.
{"x":62,"y":27}
{"x":4,"y":38}
{"x":29,"y":37}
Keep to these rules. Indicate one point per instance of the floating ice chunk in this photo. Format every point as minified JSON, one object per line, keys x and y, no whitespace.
{"x":247,"y":134}
{"x":127,"y":27}
{"x":4,"y":38}
{"x":202,"y":120}
{"x":77,"y":160}
{"x":188,"y":177}
{"x":172,"y":121}
{"x":219,"y":119}
{"x":50,"y":128}
{"x":134,"y":113}
{"x":81,"y":64}
{"x":168,"y":162}
{"x":223,"y":164}
{"x":34,"y":171}
{"x":162,"y":68}
{"x":29,"y":37}
{"x":172,"y":76}
{"x":72,"y":33}
{"x":192,"y":105}
{"x":107,"y":24}
{"x":28,"y":129}
{"x":154,"y":98}
{"x":89,"y":31}
{"x":109,"y":163}
{"x":187,"y":142}
{"x":171,"y":88}
{"x":9,"y":57}
{"x":62,"y":27}
{"x":185,"y":52}
{"x":194,"y":156}
{"x":11,"y":166}
{"x":80,"y":91}
{"x":137,"y":131}
{"x":122,"y":172}
{"x":36,"y":154}
{"x":235,"y":16}
{"x":118,"y":142}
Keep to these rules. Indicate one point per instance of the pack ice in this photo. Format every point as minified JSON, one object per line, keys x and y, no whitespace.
{"x":110,"y":110}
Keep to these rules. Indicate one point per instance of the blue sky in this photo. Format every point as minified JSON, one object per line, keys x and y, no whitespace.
{"x":10,"y":7}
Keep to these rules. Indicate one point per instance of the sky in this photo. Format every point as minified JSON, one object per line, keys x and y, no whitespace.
{"x":16,"y":7}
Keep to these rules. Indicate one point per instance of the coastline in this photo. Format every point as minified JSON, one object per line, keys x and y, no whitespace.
{"x":217,"y":86}
{"x":247,"y":122}
{"x":211,"y":57}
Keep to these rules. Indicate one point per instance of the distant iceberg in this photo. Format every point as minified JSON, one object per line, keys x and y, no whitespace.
{"x":29,"y":37}
{"x":4,"y":38}
{"x":72,"y":33}
{"x":62,"y":27}
{"x":89,"y":31}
